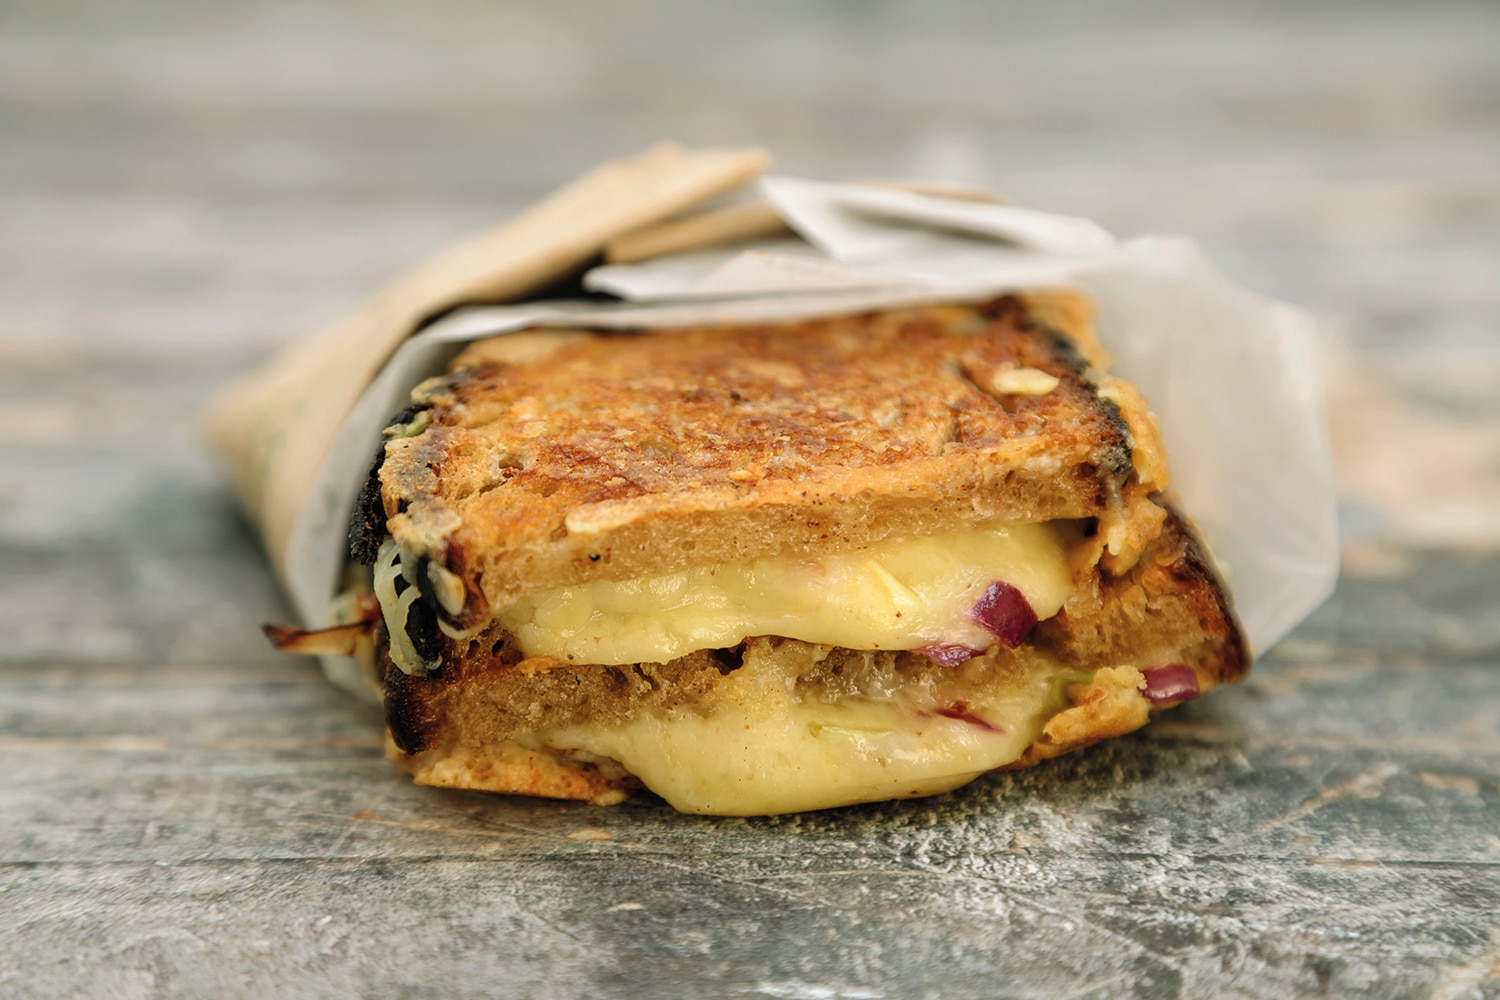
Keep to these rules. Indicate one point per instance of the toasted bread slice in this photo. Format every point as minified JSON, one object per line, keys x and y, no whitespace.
{"x":555,"y":457}
{"x":559,"y":467}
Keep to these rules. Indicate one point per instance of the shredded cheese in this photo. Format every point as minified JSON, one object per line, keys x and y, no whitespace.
{"x":389,"y":565}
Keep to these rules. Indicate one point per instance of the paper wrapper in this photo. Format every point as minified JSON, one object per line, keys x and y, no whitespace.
{"x":1232,"y":378}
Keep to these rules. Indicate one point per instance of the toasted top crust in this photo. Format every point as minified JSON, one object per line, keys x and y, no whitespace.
{"x":553,"y":457}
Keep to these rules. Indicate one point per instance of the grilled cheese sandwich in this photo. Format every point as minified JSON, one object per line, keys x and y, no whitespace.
{"x":765,"y":569}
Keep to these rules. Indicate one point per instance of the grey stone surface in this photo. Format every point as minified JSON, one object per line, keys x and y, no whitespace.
{"x":184,"y":186}
{"x":1326,"y":828}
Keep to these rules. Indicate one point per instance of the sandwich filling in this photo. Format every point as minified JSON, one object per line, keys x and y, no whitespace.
{"x":905,"y":594}
{"x":769,"y":741}
{"x":951,"y":595}
{"x":764,"y":740}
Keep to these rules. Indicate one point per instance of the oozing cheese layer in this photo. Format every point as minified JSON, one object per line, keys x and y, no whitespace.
{"x":760,"y":750}
{"x":904,"y":594}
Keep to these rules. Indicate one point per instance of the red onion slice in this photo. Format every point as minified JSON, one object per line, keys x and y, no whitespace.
{"x":1173,"y":682}
{"x":1004,"y":611}
{"x":959,"y":711}
{"x":949,"y":656}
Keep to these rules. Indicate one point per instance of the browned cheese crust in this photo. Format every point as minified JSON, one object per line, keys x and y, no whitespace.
{"x":1170,"y":608}
{"x":551,"y":458}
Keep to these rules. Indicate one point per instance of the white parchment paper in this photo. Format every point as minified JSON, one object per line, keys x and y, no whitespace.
{"x":1232,"y":377}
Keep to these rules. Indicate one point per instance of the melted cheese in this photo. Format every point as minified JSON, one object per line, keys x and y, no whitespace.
{"x":761,"y":750}
{"x":903,"y":594}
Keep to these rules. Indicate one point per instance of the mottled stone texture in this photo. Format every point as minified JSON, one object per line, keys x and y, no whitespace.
{"x":184,"y":186}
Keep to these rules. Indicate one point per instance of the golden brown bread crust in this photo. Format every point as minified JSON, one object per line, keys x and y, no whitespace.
{"x":554,"y":458}
{"x":1171,"y":593}
{"x":506,"y":767}
{"x":1169,"y":600}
